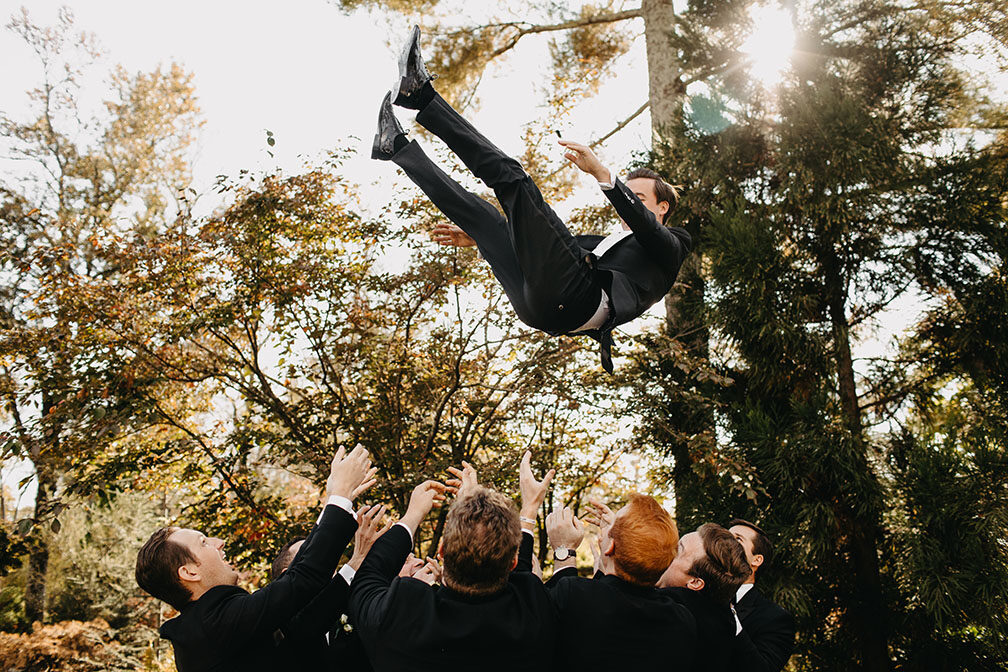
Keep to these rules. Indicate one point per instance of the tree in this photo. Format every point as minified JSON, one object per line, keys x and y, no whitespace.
{"x":81,"y":177}
{"x":822,"y":207}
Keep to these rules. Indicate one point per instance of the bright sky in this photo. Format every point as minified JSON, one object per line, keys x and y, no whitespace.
{"x":309,"y":73}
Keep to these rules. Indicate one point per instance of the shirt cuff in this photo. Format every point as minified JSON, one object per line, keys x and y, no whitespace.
{"x":341,"y":502}
{"x":406,"y":527}
{"x":347,"y":572}
{"x":606,"y":186}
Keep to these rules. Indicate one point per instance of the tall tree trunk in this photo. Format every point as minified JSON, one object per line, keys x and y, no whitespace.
{"x":38,"y":550}
{"x":866,"y":613}
{"x":684,"y":303}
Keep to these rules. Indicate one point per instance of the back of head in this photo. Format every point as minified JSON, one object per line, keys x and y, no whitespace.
{"x":760,"y":542}
{"x":723,"y":566}
{"x":157,"y":568}
{"x":481,"y":536}
{"x":283,"y":559}
{"x":646,"y":539}
{"x":663,"y":190}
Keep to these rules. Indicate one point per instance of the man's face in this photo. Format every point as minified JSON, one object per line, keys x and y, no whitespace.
{"x":211,"y":566}
{"x":677,"y":575}
{"x":643,"y":187}
{"x":746,"y":537}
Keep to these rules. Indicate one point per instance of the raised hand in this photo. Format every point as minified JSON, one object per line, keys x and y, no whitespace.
{"x":584,"y":158}
{"x":349,"y":474}
{"x":425,"y":497}
{"x":446,"y":233}
{"x":465,"y":478}
{"x":412,"y":565}
{"x":603,"y":563}
{"x":369,"y":528}
{"x":563,"y":529}
{"x":430,"y":573}
{"x":533,"y":492}
{"x":599,"y":514}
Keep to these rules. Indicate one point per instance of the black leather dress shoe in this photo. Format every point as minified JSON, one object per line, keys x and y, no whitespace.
{"x":388,"y":130}
{"x":413,"y":74}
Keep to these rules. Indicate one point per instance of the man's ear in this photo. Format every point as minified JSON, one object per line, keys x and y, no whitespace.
{"x":695,"y":583}
{"x":514,"y":562}
{"x":611,"y":548}
{"x":189,"y":572}
{"x":663,"y":207}
{"x":757,"y":561}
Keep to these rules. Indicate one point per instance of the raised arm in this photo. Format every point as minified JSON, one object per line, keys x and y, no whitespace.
{"x":667,"y":246}
{"x":269,"y":608}
{"x":369,"y":596}
{"x":533,"y":494}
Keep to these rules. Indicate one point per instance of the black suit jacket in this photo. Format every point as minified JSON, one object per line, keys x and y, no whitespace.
{"x":767,"y":638}
{"x":304,"y":644}
{"x":715,"y":628}
{"x":629,"y":627}
{"x":639,"y":270}
{"x":229,"y":629}
{"x":407,"y":625}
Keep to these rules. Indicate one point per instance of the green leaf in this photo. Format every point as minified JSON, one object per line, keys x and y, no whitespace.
{"x":24,"y":526}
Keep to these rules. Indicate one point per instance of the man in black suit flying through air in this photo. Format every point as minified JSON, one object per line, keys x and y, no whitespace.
{"x":556,"y":282}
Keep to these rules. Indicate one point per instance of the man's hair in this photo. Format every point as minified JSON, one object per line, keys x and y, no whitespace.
{"x":283,"y":559}
{"x":662,"y":189}
{"x":646,"y":540}
{"x":761,"y":543}
{"x":481,"y":536}
{"x":157,"y":568}
{"x":723,"y":566}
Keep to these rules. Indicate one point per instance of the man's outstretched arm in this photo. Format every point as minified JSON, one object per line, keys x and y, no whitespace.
{"x":664,"y":243}
{"x":370,"y":590}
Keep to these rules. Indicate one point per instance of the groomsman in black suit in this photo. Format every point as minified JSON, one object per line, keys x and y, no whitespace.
{"x":645,"y":628}
{"x":320,"y":637}
{"x":557,"y":282}
{"x":766,"y":640}
{"x":221,"y":626}
{"x":708,"y":569}
{"x":485,"y":617}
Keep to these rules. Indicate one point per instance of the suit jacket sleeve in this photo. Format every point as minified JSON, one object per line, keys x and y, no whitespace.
{"x":525,"y":549}
{"x":267,"y":609}
{"x":369,"y":596}
{"x":559,"y":574}
{"x":667,"y":246}
{"x":321,"y":614}
{"x":770,"y":650}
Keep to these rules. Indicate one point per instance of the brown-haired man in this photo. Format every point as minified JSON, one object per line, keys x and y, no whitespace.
{"x":222,"y":627}
{"x":709,"y":568}
{"x":642,"y":623}
{"x":557,"y":282}
{"x":485,"y":616}
{"x":766,"y":639}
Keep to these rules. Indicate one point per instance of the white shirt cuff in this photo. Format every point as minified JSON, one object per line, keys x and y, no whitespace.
{"x":611,"y":184}
{"x":341,"y":502}
{"x":406,"y":527}
{"x":347,"y":572}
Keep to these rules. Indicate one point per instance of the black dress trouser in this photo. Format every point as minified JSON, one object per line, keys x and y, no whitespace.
{"x":546,"y":275}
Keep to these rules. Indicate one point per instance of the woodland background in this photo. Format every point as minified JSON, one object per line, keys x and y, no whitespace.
{"x":157,"y":366}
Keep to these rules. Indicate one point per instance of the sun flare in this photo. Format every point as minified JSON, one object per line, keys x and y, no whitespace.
{"x":770,"y":45}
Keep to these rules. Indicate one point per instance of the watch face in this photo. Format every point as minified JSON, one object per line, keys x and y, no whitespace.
{"x":562,"y":553}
